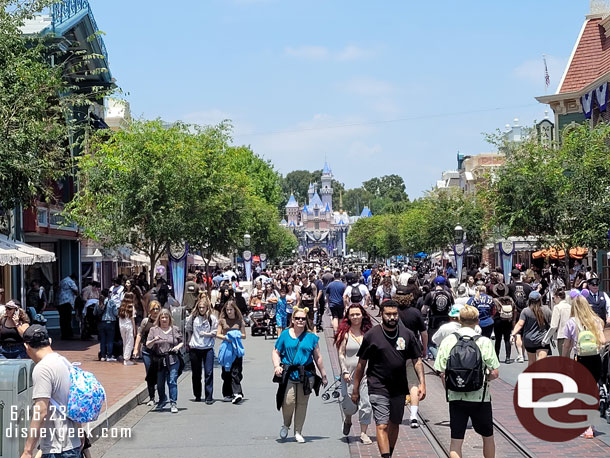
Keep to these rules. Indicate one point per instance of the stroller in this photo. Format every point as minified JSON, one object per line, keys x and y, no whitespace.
{"x":257,"y":320}
{"x":269,"y":322}
{"x":604,"y":384}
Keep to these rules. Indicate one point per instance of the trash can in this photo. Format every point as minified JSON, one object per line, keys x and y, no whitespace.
{"x":15,"y":404}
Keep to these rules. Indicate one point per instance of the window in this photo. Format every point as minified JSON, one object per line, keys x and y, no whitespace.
{"x":42,"y":216}
{"x":316,"y":225}
{"x":316,"y":212}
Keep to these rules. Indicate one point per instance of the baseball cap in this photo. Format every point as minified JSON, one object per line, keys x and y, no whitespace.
{"x":515,"y":272}
{"x":455,"y":311}
{"x":35,"y":334}
{"x":535,"y":295}
{"x":440,"y":280}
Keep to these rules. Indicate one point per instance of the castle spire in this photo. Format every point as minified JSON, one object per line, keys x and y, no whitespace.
{"x":341,"y":201}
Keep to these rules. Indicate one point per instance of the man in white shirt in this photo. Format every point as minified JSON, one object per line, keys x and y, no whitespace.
{"x":403,"y":278}
{"x":450,"y":327}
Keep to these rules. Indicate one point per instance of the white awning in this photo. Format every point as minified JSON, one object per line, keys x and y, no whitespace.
{"x":139,"y":258}
{"x":16,"y":253}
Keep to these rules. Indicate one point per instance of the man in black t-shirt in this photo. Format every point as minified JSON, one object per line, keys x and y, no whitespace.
{"x":386,"y":349}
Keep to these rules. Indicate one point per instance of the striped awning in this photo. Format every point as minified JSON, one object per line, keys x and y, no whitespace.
{"x":15,"y":253}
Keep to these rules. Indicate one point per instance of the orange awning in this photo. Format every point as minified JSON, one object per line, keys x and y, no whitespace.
{"x":553,"y":253}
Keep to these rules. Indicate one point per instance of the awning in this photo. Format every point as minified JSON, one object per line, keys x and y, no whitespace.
{"x":139,"y":258}
{"x":14,"y":253}
{"x":558,"y":255}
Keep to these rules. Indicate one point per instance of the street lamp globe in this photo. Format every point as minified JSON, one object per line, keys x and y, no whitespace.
{"x":246,"y":239}
{"x":459,"y":233}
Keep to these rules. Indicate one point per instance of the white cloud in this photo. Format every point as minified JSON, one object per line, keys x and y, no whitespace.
{"x":533,"y":70}
{"x":361,"y":151}
{"x":311,"y":52}
{"x":369,"y":87}
{"x":308,"y":52}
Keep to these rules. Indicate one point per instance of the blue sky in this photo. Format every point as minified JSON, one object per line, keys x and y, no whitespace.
{"x":375,"y":87}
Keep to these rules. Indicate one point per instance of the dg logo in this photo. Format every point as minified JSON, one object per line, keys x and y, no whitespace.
{"x":556,"y":399}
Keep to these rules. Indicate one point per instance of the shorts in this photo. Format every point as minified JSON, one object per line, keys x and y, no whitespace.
{"x":479,"y":412}
{"x":281,"y":321}
{"x":337,"y":311}
{"x":535,"y":349}
{"x":387,"y":410}
{"x":412,"y":378}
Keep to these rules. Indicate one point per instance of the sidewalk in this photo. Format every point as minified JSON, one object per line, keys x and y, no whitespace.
{"x":118,"y":380}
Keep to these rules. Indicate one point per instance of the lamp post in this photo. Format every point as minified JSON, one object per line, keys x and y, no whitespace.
{"x":459,"y":249}
{"x":247,"y":257}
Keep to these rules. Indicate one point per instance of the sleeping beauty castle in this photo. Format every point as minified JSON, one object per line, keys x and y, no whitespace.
{"x":321,"y":231}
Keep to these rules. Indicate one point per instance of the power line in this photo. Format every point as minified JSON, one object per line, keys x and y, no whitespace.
{"x":388,"y":121}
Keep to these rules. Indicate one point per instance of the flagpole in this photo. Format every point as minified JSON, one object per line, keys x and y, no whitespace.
{"x":547,"y":79}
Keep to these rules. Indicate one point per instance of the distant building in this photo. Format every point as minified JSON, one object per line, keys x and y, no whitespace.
{"x":321,"y":231}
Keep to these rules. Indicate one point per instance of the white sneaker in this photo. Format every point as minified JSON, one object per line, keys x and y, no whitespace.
{"x":174,"y":409}
{"x":300,"y":439}
{"x":519,"y":359}
{"x":227,"y":399}
{"x":128,"y":363}
{"x":237,"y":399}
{"x":111,"y":359}
{"x":102,"y":359}
{"x":283,"y":432}
{"x":150,"y":403}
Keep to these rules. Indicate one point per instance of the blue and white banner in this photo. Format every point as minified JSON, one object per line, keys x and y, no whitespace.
{"x":587,"y":104}
{"x":247,"y":257}
{"x":601,"y":93}
{"x":507,"y":249}
{"x":459,"y":250}
{"x":177,"y":268}
{"x":263,"y":257}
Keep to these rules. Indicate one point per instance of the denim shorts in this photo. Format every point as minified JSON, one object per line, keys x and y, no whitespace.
{"x":74,"y":453}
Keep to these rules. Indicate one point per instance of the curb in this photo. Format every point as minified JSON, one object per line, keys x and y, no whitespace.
{"x":117,"y":411}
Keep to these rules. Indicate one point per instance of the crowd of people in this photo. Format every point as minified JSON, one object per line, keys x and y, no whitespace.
{"x":385,"y":322}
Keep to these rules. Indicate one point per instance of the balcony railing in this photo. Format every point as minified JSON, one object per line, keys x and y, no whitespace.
{"x":65,"y":10}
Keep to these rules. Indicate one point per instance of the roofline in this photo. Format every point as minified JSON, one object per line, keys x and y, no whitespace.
{"x":576,"y":94}
{"x":565,"y":72}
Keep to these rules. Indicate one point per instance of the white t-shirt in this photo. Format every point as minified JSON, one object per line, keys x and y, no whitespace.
{"x":363,"y":290}
{"x":51,"y":378}
{"x":403,"y":279}
{"x":448,"y":329}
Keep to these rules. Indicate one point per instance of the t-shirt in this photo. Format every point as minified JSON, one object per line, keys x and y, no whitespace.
{"x":519,"y":291}
{"x":532,"y":333}
{"x":488,"y":355}
{"x":387,"y":358}
{"x":200,"y":324}
{"x":412,"y":319}
{"x":335,"y":290}
{"x":447,"y":329}
{"x":286,"y":345}
{"x":168,"y":340}
{"x":191,"y":293}
{"x":485,"y":305}
{"x":51,"y":379}
{"x":363,"y":291}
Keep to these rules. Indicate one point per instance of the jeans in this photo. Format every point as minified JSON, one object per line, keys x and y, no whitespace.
{"x":13,"y":352}
{"x":169,"y":376}
{"x":65,"y":320}
{"x":147,"y":362}
{"x":202,"y":359}
{"x":231,"y":379}
{"x":74,"y":453}
{"x":106,"y":335}
{"x":320,"y":314}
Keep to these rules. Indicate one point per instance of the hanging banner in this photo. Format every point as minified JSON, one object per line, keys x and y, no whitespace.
{"x":263,"y":258}
{"x":177,"y":256}
{"x":247,"y":257}
{"x":587,"y":104}
{"x":507,"y":249}
{"x":459,"y":250}
{"x":601,"y":94}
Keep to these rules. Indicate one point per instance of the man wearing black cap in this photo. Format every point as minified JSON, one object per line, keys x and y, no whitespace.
{"x":599,"y":300}
{"x":519,"y":292}
{"x":58,"y":435}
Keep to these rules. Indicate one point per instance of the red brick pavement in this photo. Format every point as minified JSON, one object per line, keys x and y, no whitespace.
{"x":118,"y":380}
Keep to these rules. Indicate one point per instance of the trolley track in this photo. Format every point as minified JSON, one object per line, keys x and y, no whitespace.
{"x":440,"y":444}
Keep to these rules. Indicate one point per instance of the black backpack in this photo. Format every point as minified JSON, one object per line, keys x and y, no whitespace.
{"x":441,"y":303}
{"x":465,"y":369}
{"x":520,"y":297}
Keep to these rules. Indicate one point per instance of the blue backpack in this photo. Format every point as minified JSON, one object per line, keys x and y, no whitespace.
{"x":86,"y":397}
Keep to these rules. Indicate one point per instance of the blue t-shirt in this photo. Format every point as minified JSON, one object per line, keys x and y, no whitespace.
{"x":485,"y":305}
{"x":335,"y":290}
{"x":286,"y":345}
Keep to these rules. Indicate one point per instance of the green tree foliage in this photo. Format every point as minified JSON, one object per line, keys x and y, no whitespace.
{"x":559,"y":195}
{"x":298,"y":181}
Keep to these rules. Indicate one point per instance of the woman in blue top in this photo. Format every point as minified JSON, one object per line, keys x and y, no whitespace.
{"x":297,"y":348}
{"x":485,"y":305}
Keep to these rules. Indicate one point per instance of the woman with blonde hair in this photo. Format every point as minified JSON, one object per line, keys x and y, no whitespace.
{"x":154,"y":307}
{"x":201,"y":329}
{"x":127,"y":326}
{"x":294,"y":355}
{"x":584,"y":333}
{"x":165,"y":341}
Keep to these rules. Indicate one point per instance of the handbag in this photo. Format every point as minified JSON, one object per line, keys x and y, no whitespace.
{"x":181,"y":363}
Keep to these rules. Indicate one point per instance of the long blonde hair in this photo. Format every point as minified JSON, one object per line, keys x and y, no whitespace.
{"x":581,"y":311}
{"x":203,"y":299}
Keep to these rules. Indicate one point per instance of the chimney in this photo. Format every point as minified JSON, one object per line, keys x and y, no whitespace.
{"x":599,"y":7}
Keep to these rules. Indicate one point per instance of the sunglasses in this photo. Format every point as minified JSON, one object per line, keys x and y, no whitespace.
{"x":155,"y":309}
{"x":300,"y":318}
